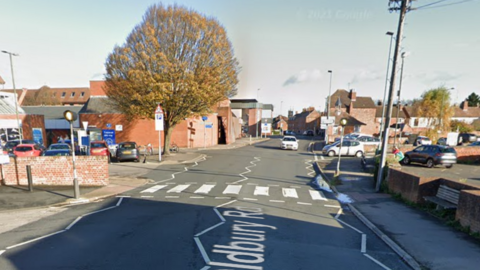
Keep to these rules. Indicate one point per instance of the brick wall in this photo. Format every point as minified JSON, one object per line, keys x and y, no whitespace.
{"x":91,"y":171}
{"x":468,"y":212}
{"x":366,"y":116}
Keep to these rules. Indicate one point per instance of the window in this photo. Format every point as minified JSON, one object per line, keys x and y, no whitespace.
{"x":64,"y":94}
{"x":82,"y":94}
{"x":73,"y":94}
{"x":356,"y":129}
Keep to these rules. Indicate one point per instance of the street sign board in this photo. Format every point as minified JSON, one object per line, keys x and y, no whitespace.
{"x":266,"y":128}
{"x":325,"y":120}
{"x":109,"y":136}
{"x":159,"y":118}
{"x":322,"y":126}
{"x":204,"y":118}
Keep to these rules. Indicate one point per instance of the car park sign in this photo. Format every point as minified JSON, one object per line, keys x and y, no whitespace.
{"x":159,"y":118}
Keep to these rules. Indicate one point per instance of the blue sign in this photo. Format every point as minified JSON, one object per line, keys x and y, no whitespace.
{"x":109,"y":136}
{"x":204,"y":118}
{"x":109,"y":125}
{"x":37,"y":135}
{"x":209,"y":126}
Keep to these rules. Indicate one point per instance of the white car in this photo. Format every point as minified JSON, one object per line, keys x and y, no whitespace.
{"x":289,"y":142}
{"x":368,"y":140}
{"x":349,"y":148}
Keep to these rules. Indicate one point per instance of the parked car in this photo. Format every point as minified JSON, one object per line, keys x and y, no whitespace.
{"x":11,"y":144}
{"x":368,"y":140}
{"x":27,"y":150}
{"x":128,"y":151}
{"x":289,"y":142}
{"x":442,"y":141}
{"x":477,"y":143}
{"x":289,"y":132}
{"x":99,"y":148}
{"x":352,"y":136}
{"x":432,"y":155}
{"x":308,"y":133}
{"x":422,"y":140}
{"x":349,"y":148}
{"x":57,"y":152}
{"x":56,"y":146}
{"x":464,"y":138}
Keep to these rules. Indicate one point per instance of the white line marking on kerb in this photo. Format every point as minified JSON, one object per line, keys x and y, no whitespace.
{"x":196,"y":197}
{"x":250,"y":199}
{"x":304,"y":203}
{"x":172,"y":197}
{"x":377,"y":262}
{"x":277,"y":201}
{"x":331,"y":206}
{"x":2,"y":251}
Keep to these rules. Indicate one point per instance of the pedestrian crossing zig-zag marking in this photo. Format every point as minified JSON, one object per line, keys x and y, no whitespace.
{"x":257,"y":159}
{"x":185,"y":169}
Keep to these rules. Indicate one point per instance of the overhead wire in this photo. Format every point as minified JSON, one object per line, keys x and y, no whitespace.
{"x":429,"y":6}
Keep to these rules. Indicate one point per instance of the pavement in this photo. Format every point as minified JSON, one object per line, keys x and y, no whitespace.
{"x":420,"y":239}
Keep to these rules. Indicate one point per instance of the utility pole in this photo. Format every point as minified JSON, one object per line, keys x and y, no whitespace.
{"x":404,"y":7}
{"x":328,"y":106}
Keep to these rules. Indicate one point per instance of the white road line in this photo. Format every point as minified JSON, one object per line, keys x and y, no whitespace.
{"x":289,"y":192}
{"x":261,"y":191}
{"x":363,"y":249}
{"x":250,"y":199}
{"x":153,"y":189}
{"x":222,"y":198}
{"x":377,"y":262}
{"x":277,"y":201}
{"x":172,"y":197}
{"x":2,"y":251}
{"x":252,"y":184}
{"x":232,"y":189}
{"x":295,"y":187}
{"x":272,"y":185}
{"x":146,"y":196}
{"x":317,"y":195}
{"x":191,"y":183}
{"x":304,"y":203}
{"x":123,"y":196}
{"x":197,"y":197}
{"x":331,"y":206}
{"x":204,"y":189}
{"x":35,"y":239}
{"x":178,"y":189}
{"x":350,"y":226}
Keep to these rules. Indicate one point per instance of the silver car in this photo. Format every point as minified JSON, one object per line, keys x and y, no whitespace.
{"x":349,"y":148}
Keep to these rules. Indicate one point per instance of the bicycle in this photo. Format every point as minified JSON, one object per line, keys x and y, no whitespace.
{"x":174,"y":148}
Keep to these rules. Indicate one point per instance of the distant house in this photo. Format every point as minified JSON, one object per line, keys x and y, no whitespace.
{"x":466,"y":114}
{"x":305,"y":120}
{"x":47,"y":96}
{"x":280,"y":123}
{"x":397,"y":116}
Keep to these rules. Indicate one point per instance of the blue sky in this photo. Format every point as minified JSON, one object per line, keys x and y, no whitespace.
{"x":285,"y":48}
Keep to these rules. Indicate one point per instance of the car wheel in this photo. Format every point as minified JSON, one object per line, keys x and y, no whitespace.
{"x":406,"y":160}
{"x":331,"y":153}
{"x":359,"y":154}
{"x":449,"y":166}
{"x":430,"y":163}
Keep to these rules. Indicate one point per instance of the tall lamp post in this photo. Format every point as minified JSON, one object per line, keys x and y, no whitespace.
{"x":382,"y":121}
{"x":328,"y":106}
{"x":398,"y":99}
{"x":20,"y":132}
{"x":71,"y":117}
{"x":256,"y":116}
{"x":343,"y":123}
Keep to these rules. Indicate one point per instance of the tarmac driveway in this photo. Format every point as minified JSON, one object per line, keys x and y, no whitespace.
{"x":459,"y":172}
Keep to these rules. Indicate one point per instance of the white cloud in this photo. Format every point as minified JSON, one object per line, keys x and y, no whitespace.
{"x":438,"y":77}
{"x":304,"y":76}
{"x":367,"y":75}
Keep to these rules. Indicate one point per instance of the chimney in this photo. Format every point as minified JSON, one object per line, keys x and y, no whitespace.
{"x":352,"y":95}
{"x":464,"y":105}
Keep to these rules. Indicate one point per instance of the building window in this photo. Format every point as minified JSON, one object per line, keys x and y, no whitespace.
{"x":64,"y":94}
{"x":82,"y":94}
{"x":73,"y":94}
{"x":356,"y":129}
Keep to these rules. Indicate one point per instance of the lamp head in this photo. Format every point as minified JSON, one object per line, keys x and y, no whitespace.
{"x":343,"y":122}
{"x":389,"y":33}
{"x":70,"y":116}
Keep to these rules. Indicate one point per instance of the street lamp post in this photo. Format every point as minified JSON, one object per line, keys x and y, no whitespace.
{"x":71,"y":117}
{"x":20,"y":131}
{"x":256,"y":115}
{"x":343,"y":123}
{"x":382,"y":121}
{"x":398,"y":99}
{"x":328,"y":106}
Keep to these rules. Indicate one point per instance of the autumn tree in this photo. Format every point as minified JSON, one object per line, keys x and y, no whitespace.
{"x":176,"y":57}
{"x":435,"y":106}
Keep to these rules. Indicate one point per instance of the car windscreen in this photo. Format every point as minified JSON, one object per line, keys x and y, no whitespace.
{"x":98,"y":145}
{"x":127,"y":146}
{"x":448,"y":150}
{"x":59,"y":146}
{"x":289,"y":139}
{"x":23,"y":148}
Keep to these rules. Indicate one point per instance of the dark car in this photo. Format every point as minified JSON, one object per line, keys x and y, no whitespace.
{"x":57,"y":152}
{"x":128,"y":151}
{"x":432,"y":155}
{"x":464,"y":138}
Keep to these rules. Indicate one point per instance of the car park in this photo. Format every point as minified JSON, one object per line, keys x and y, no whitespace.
{"x":289,"y":142}
{"x":27,"y":150}
{"x":127,"y":151}
{"x":99,"y":148}
{"x":349,"y":148}
{"x":432,"y":155}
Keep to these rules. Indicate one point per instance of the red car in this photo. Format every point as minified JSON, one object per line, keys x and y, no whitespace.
{"x":99,"y":148}
{"x":27,"y":150}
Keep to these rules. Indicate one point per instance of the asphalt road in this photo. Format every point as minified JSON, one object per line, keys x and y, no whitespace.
{"x":245,"y":208}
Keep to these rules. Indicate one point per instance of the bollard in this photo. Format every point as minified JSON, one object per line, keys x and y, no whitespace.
{"x":29,"y":177}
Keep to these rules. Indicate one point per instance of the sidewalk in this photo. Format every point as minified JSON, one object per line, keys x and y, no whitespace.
{"x":19,"y":197}
{"x":420,"y":239}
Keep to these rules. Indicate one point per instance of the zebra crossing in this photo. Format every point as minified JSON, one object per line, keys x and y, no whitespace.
{"x":292,"y":192}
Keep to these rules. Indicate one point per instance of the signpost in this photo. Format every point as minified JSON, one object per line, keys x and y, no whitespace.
{"x":159,"y":127}
{"x":204,"y":118}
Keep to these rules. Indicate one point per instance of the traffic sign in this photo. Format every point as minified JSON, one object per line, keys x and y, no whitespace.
{"x":159,"y":121}
{"x":159,"y":110}
{"x":204,"y":118}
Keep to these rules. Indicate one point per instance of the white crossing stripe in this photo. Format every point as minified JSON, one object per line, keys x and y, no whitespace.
{"x":153,"y":189}
{"x":204,"y":189}
{"x":317,"y":195}
{"x":261,"y":191}
{"x":289,"y":192}
{"x":232,"y":189}
{"x":178,"y":189}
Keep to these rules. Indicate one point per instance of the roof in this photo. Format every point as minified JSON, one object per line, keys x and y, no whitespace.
{"x":7,"y":104}
{"x":65,"y":95}
{"x":378,"y":113}
{"x":99,"y":104}
{"x":345,"y":101}
{"x":351,"y":121}
{"x":471,"y":112}
{"x":51,"y":112}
